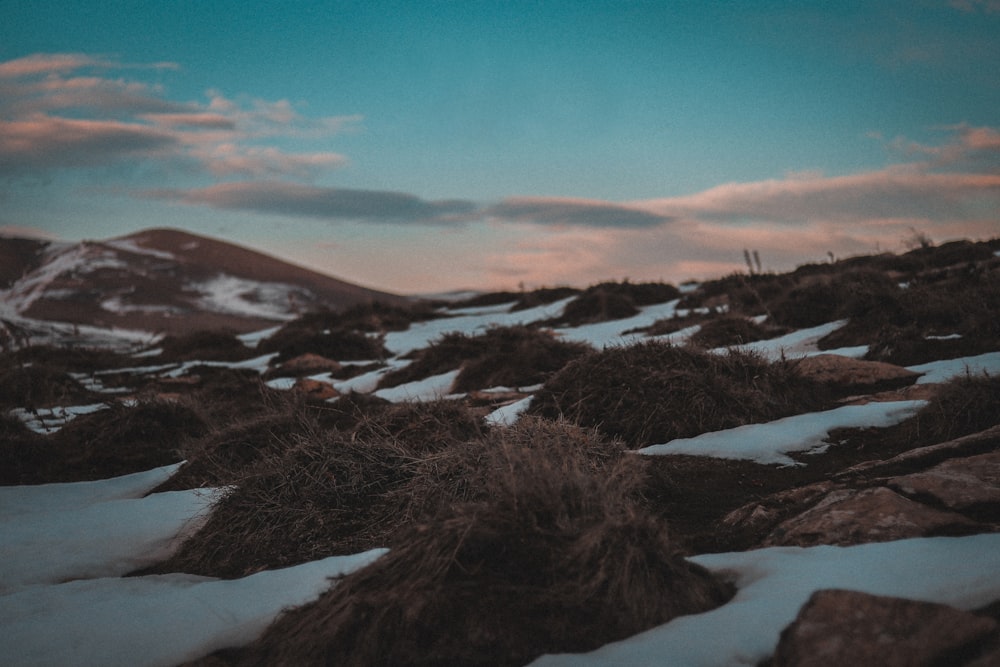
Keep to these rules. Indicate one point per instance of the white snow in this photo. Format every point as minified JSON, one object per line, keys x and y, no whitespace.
{"x":604,"y":334}
{"x":506,"y":415}
{"x":771,"y":442}
{"x":129,"y":245}
{"x":800,"y":343}
{"x":421,"y":334}
{"x":229,"y":294}
{"x":942,"y":371}
{"x":101,"y":539}
{"x":428,"y":389}
{"x":156,"y":620}
{"x":774,"y":583}
{"x":64,"y":547}
{"x":50,"y":420}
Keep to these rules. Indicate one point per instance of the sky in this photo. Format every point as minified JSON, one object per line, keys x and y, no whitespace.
{"x":428,"y":146}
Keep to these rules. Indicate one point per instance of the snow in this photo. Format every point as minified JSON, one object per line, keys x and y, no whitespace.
{"x":942,"y":371}
{"x":771,"y":442}
{"x":476,"y":321}
{"x":800,"y":343}
{"x":102,"y":539}
{"x":50,"y":420}
{"x":157,"y":620}
{"x":229,"y":294}
{"x":508,"y":414}
{"x":428,"y":389}
{"x":774,"y":583}
{"x":64,"y":547}
{"x":129,"y":245}
{"x":604,"y":334}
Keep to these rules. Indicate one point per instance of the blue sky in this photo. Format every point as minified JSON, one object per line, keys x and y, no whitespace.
{"x":418,"y":146}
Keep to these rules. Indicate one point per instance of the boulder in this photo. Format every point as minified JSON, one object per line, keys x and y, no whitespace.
{"x":307,"y":364}
{"x":837,"y":627}
{"x":847,"y":517}
{"x":957,"y":483}
{"x":847,"y":375}
{"x":316,"y":389}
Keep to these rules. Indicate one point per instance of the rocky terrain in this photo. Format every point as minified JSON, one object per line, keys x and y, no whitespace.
{"x":563,"y":475}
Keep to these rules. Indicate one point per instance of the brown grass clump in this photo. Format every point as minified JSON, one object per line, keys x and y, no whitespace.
{"x":731,"y":330}
{"x":315,"y":495}
{"x":966,"y":404}
{"x":117,"y":440}
{"x":124,"y":439}
{"x":654,"y":392}
{"x":340,"y":344}
{"x":555,"y":558}
{"x":421,"y":427}
{"x":503,"y":356}
{"x":204,"y":346}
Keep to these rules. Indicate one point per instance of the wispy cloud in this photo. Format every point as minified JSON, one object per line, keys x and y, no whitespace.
{"x":574,"y":212}
{"x":324,"y":203}
{"x":69,"y":110}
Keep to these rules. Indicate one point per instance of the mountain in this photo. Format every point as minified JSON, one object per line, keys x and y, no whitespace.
{"x":163,"y":281}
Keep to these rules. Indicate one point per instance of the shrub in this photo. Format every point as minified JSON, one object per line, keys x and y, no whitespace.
{"x":336,"y":344}
{"x":205,"y":346}
{"x":964,"y":405}
{"x":502,"y":356}
{"x":316,"y":495}
{"x":731,"y":330}
{"x":653,"y":392}
{"x":555,"y":558}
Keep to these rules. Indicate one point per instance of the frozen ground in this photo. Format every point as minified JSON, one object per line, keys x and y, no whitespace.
{"x":64,"y":547}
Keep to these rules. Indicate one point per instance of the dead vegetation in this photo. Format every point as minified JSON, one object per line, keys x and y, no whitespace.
{"x":554,"y":557}
{"x":654,"y":392}
{"x":502,"y":356}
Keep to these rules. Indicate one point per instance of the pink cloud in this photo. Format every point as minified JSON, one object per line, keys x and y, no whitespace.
{"x":43,"y":141}
{"x":58,"y":114}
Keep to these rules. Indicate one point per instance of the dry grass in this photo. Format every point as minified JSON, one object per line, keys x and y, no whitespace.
{"x":204,"y":346}
{"x":502,"y":356}
{"x":654,"y":392}
{"x":553,"y":556}
{"x":732,"y":330}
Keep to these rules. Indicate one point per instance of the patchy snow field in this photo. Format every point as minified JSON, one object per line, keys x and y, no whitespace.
{"x":65,"y":547}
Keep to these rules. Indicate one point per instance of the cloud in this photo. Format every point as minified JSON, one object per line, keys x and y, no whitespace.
{"x":887,"y":193}
{"x":66,"y":111}
{"x":325,"y":203}
{"x":41,"y":142}
{"x":573,"y":212}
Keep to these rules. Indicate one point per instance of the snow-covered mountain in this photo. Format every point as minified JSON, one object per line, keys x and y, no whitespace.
{"x":159,"y":280}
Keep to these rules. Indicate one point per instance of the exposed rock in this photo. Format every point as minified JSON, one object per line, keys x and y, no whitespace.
{"x":837,"y":627}
{"x":975,"y":443}
{"x":847,"y":517}
{"x":307,"y":363}
{"x":854,"y":375}
{"x":767,"y":510}
{"x":957,"y":483}
{"x":316,"y":389}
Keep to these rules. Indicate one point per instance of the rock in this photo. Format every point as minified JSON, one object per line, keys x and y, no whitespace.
{"x":315,"y":389}
{"x":759,"y":513}
{"x":854,"y":375}
{"x":308,"y":363}
{"x":847,"y":517}
{"x":957,"y":483}
{"x":975,"y":443}
{"x":837,"y":627}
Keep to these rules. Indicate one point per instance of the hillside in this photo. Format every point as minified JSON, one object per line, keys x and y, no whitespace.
{"x":778,"y":469}
{"x":159,"y":281}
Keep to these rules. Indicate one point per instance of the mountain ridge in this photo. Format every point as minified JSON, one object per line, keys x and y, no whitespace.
{"x":165,"y":280}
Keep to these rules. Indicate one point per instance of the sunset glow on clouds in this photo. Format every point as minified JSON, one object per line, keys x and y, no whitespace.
{"x":398,"y":165}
